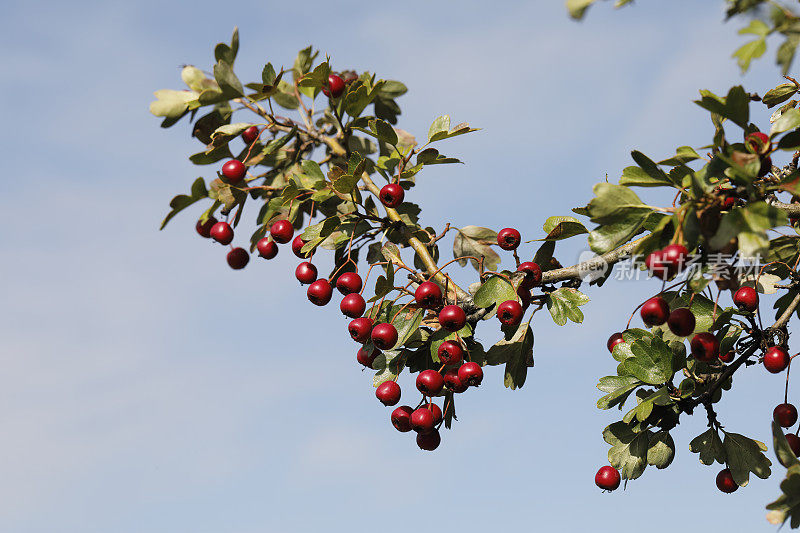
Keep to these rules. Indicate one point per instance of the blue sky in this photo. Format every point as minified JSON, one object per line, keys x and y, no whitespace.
{"x":146,"y":387}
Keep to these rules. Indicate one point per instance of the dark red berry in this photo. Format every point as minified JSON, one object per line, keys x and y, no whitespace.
{"x":429,"y":441}
{"x":776,"y":359}
{"x":367,"y":357}
{"x":453,"y":382}
{"x":282,"y":231}
{"x":360,"y":329}
{"x":729,"y":202}
{"x":384,"y":336}
{"x":655,"y":311}
{"x":222,"y":232}
{"x":794,"y":443}
{"x":607,"y":478}
{"x":452,"y":318}
{"x":785,"y":415}
{"x":681,"y":322}
{"x":746,"y":299}
{"x":766,"y":166}
{"x":238,"y":258}
{"x":335,"y":86}
{"x":267,"y":248}
{"x":353,"y":305}
{"x":727,"y":357}
{"x":613,"y":340}
{"x":401,"y":418}
{"x":349,"y":282}
{"x":388,"y":393}
{"x":204,"y":228}
{"x":508,"y":239}
{"x":533,"y":274}
{"x":470,"y":374}
{"x":422,"y":420}
{"x":320,"y":292}
{"x":250,"y":134}
{"x":428,"y":295}
{"x":674,"y":257}
{"x":450,"y":352}
{"x":437,"y":413}
{"x":705,"y":347}
{"x":306,"y":273}
{"x":725,"y":481}
{"x":758,"y":143}
{"x":234,"y":170}
{"x":510,"y":313}
{"x":297,"y":246}
{"x":524,"y":296}
{"x":392,"y":195}
{"x":656,"y":265}
{"x":430,"y":382}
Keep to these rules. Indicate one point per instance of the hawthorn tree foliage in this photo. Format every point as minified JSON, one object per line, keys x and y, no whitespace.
{"x":335,"y":175}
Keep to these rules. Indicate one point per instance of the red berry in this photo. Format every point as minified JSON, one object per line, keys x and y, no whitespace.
{"x":366,"y":357}
{"x":320,"y":292}
{"x":794,"y":443}
{"x":681,"y":322}
{"x":655,"y":311}
{"x":306,"y":273}
{"x":470,"y":374}
{"x":524,"y":295}
{"x":729,"y":202}
{"x":297,"y":246}
{"x":430,"y":382}
{"x":250,"y":134}
{"x":335,"y":86}
{"x":727,"y":357}
{"x":392,"y":195}
{"x":282,"y":231}
{"x":388,"y":393}
{"x":607,"y":478}
{"x":234,"y":170}
{"x":238,"y":258}
{"x":785,"y":415}
{"x":674,"y":257}
{"x":437,"y":413}
{"x":613,"y":340}
{"x":776,"y":359}
{"x":222,"y":232}
{"x":510,"y":313}
{"x":450,"y":352}
{"x":384,"y":336}
{"x":429,"y":441}
{"x":758,"y":143}
{"x":360,"y":329}
{"x":533,"y":274}
{"x":705,"y":347}
{"x":453,"y":382}
{"x":508,"y":239}
{"x":349,"y":282}
{"x":401,"y":418}
{"x":725,"y":481}
{"x":422,"y":420}
{"x":656,"y":265}
{"x":452,"y":318}
{"x":766,"y":166}
{"x":353,"y":305}
{"x":267,"y":248}
{"x":204,"y":228}
{"x":746,"y":299}
{"x":428,"y":295}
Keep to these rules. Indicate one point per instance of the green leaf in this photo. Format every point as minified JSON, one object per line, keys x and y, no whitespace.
{"x":431,"y":156}
{"x":618,"y":389}
{"x":661,"y":451}
{"x":651,"y":361}
{"x":787,"y":506}
{"x":171,"y":104}
{"x":494,"y":290}
{"x":613,"y":202}
{"x":517,"y":353}
{"x":683,"y":155}
{"x":476,"y":241}
{"x":440,"y":129}
{"x":783,"y":452}
{"x":735,"y":106}
{"x":559,"y":228}
{"x":779,"y":94}
{"x":611,"y":235}
{"x":564,"y":303}
{"x":577,"y":8}
{"x":789,"y":120}
{"x":227,"y":80}
{"x":749,"y":225}
{"x":628,"y":452}
{"x":749,"y":51}
{"x":406,"y":323}
{"x":709,"y":446}
{"x":745,"y":455}
{"x":182,"y":201}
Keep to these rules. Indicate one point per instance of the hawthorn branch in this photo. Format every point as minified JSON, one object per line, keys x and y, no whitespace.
{"x":784,"y":318}
{"x":793,"y":210}
{"x":609,"y":258}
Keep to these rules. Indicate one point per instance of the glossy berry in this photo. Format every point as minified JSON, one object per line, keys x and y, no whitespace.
{"x":353,"y":305}
{"x":746,"y":299}
{"x":429,"y":441}
{"x":234,"y":170}
{"x":705,"y":347}
{"x":388,"y":393}
{"x":508,"y":239}
{"x":360,"y":329}
{"x":297,"y":246}
{"x":335,"y":86}
{"x":729,"y":202}
{"x":656,"y":265}
{"x":524,"y":296}
{"x":267,"y":248}
{"x":238,"y":258}
{"x":510,"y":313}
{"x":533,"y":274}
{"x":655,"y":311}
{"x":250,"y":134}
{"x":776,"y":359}
{"x":204,"y":228}
{"x":222,"y":232}
{"x":727,"y":357}
{"x":349,"y":282}
{"x":453,"y":382}
{"x":758,"y":142}
{"x":681,"y":322}
{"x":422,"y":420}
{"x":401,"y":418}
{"x":470,"y":374}
{"x":306,"y":273}
{"x":320,"y":292}
{"x":613,"y":340}
{"x":282,"y":231}
{"x":674,"y":257}
{"x":452,"y":318}
{"x":437,"y":413}
{"x":794,"y":443}
{"x":384,"y":336}
{"x":785,"y":415}
{"x":428,"y":295}
{"x":367,"y":357}
{"x":607,"y":478}
{"x":392,"y":195}
{"x":430,"y":382}
{"x":725,"y":481}
{"x":450,"y":352}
